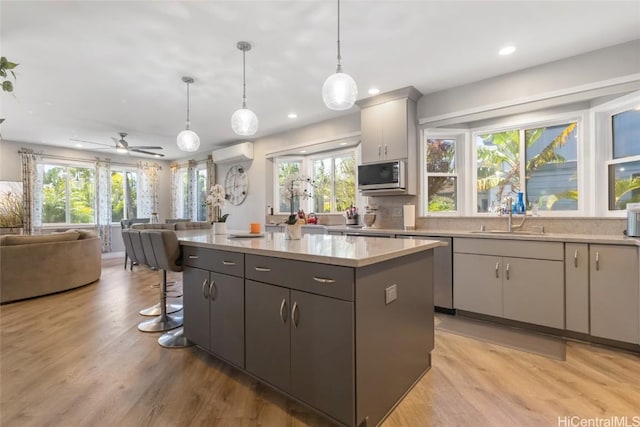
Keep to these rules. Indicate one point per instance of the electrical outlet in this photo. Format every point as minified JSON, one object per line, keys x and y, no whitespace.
{"x":397,"y":212}
{"x":390,"y":294}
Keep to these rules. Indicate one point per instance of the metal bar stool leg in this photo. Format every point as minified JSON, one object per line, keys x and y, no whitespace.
{"x":164,"y":322}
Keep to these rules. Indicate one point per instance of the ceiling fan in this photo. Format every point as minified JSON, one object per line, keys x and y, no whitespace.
{"x":122,"y":146}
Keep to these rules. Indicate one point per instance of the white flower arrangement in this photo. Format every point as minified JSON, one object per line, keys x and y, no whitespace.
{"x":296,"y":186}
{"x":216,"y":199}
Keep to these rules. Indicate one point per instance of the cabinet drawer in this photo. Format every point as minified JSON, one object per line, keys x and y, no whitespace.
{"x":322,"y":279}
{"x":225,"y":262}
{"x":512,"y":248}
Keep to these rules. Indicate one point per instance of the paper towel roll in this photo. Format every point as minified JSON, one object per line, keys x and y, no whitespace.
{"x":409,"y":216}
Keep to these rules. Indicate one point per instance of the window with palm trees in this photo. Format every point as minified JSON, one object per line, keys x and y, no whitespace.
{"x":541,"y":162}
{"x":624,"y":168}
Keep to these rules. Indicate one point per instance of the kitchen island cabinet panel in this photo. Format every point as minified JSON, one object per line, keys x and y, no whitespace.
{"x":195,"y":288}
{"x":613,"y":271}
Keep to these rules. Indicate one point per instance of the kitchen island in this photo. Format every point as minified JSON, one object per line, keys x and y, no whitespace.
{"x":342,"y":324}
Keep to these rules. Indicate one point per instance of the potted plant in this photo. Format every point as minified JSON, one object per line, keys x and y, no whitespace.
{"x":7,"y":85}
{"x":216,"y":199}
{"x":296,"y":187}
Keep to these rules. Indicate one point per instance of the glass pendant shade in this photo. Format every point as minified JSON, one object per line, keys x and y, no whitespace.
{"x":188,"y":140}
{"x":339,"y":91}
{"x":244,"y":122}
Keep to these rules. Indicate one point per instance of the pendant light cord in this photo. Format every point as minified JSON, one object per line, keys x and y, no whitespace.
{"x":188,"y":122}
{"x":244,"y":82}
{"x":339,"y":70}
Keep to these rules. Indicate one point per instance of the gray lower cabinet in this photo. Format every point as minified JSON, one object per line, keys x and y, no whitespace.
{"x":302,"y":343}
{"x":214,"y":313}
{"x":576,"y":270}
{"x":523,"y":287}
{"x":614,"y":299}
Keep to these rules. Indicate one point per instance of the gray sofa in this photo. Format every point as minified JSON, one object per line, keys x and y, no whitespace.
{"x":32,"y":266}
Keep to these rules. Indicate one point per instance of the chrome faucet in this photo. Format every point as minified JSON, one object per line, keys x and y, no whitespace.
{"x":510,"y":225}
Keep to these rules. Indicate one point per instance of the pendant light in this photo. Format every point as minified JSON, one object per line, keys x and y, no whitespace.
{"x":339,"y":91}
{"x":244,"y":122}
{"x":188,"y":140}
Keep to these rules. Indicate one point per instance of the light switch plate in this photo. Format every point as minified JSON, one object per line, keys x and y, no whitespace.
{"x":390,"y":294}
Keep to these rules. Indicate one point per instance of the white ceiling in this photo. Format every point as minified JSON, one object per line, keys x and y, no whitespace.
{"x":90,"y":69}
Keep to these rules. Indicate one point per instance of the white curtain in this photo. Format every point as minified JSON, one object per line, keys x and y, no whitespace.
{"x":147,"y":189}
{"x":176,"y":200}
{"x":211,"y":178}
{"x":32,"y":176}
{"x":103,"y":198}
{"x":191,"y":190}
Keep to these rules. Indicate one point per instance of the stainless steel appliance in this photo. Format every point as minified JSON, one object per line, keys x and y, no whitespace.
{"x":383,"y":176}
{"x":633,"y":223}
{"x":442,"y":272}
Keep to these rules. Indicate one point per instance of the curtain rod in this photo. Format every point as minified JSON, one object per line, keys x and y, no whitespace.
{"x":78,"y":159}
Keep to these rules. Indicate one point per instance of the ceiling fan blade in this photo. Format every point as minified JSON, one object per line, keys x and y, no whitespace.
{"x":90,"y":142}
{"x":146,"y":152}
{"x":145,"y":147}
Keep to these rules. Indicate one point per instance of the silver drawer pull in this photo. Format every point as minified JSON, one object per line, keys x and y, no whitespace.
{"x":507,"y":270}
{"x":322,"y":280}
{"x":283,"y":311}
{"x":228,"y":263}
{"x":262,"y":269}
{"x":294,"y":314}
{"x":204,"y":289}
{"x":575,"y":259}
{"x":497,"y":267}
{"x":597,"y":261}
{"x":193,"y":257}
{"x":213,"y":287}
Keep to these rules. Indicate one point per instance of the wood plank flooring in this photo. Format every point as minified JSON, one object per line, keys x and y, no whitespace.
{"x":77,"y":359}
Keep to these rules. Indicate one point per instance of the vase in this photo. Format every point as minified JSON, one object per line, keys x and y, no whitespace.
{"x":219,"y":228}
{"x":293,"y":231}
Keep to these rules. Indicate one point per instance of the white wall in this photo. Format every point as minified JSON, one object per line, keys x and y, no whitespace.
{"x":260,"y":173}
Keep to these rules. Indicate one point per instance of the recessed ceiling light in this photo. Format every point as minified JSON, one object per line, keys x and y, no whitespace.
{"x":303,"y":151}
{"x":343,"y":143}
{"x":374,"y":91}
{"x":292,"y":116}
{"x":79,"y":145}
{"x":507,"y":50}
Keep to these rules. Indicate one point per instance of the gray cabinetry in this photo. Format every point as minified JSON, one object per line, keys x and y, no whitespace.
{"x":614,"y":299}
{"x":517,"y":280}
{"x":385,"y":129}
{"x":576,"y":270}
{"x":214,"y":303}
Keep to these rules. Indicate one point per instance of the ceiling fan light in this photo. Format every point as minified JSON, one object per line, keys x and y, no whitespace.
{"x":188,"y":140}
{"x":339,"y":91}
{"x":244,"y":122}
{"x":121,"y":150}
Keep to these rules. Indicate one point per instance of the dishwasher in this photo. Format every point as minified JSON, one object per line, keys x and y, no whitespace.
{"x":442,"y":272}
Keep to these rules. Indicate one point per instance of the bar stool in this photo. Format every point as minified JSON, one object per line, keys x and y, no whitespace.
{"x":169,"y":257}
{"x":162,"y":253}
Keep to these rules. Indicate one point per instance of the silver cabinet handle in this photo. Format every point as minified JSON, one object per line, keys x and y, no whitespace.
{"x":385,"y":149}
{"x":323,"y":280}
{"x":262,"y":269}
{"x":597,"y":261}
{"x":283,"y":311}
{"x":193,"y":257}
{"x":294,"y":312}
{"x":212,"y":287}
{"x":379,"y":150}
{"x":507,"y":270}
{"x":575,"y":259}
{"x":228,"y":263}
{"x":497,"y":267}
{"x":204,"y":289}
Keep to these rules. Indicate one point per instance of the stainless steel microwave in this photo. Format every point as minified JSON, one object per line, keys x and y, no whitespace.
{"x":384,"y":176}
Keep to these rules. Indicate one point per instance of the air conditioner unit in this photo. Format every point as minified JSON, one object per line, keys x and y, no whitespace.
{"x":235,"y":153}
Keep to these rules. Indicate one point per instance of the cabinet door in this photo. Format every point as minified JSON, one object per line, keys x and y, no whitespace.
{"x":195,"y":284}
{"x":371,"y":133}
{"x":394,"y":129}
{"x":267,"y":312}
{"x":576,"y":270}
{"x":533,"y":291}
{"x":322,"y":354}
{"x":613,"y":272}
{"x":477,"y":283}
{"x":227,"y":317}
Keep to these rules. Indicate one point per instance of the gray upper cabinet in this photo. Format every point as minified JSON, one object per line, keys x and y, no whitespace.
{"x":576,"y":269}
{"x":613,"y":273}
{"x":385,"y":130}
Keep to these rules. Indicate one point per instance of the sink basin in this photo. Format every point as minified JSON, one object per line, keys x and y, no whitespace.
{"x":518,"y":232}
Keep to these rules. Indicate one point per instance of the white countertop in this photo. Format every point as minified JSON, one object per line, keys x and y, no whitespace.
{"x":349,"y":251}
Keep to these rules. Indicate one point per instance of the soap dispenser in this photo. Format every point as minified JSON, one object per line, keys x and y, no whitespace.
{"x":520,"y":204}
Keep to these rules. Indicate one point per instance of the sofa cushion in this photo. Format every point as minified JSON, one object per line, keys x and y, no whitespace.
{"x":11,"y":239}
{"x":84,"y":233}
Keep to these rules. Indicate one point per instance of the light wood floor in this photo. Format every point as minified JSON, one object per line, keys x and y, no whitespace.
{"x":77,"y":359}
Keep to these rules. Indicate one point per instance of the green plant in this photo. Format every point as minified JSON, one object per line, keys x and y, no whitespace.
{"x":7,"y":85}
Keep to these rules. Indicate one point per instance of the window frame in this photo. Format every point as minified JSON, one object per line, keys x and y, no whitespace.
{"x":124,"y":170}
{"x":332,"y":155}
{"x":276,"y":184}
{"x":66,"y":165}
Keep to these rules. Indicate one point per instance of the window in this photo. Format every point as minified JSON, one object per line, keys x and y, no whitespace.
{"x":68,"y":194}
{"x":541,"y":162}
{"x":335,"y":182}
{"x":124,"y":195}
{"x":284,"y":168}
{"x":440,"y":174}
{"x":624,"y":168}
{"x":201,"y":194}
